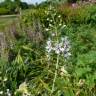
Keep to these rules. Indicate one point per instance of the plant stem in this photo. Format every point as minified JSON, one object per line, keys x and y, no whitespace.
{"x":55,"y":76}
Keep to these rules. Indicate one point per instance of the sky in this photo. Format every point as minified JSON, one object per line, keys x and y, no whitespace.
{"x":30,"y":1}
{"x":33,"y":1}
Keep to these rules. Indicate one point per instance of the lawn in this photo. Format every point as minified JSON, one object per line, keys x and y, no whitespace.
{"x":6,"y":20}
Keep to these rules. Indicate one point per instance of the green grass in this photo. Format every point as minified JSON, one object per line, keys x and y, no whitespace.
{"x":6,"y":21}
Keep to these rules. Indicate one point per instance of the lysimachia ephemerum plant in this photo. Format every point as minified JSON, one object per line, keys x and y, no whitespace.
{"x":57,"y":47}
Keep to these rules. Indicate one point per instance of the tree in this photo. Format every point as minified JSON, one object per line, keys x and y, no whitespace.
{"x":11,"y":7}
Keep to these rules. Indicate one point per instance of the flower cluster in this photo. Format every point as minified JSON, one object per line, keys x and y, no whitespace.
{"x":62,"y":47}
{"x":7,"y":93}
{"x":53,"y":18}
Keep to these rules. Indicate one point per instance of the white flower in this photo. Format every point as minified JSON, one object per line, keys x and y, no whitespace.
{"x":50,"y":25}
{"x":1,"y":92}
{"x":63,"y":26}
{"x":5,"y":79}
{"x":62,"y":47}
{"x":48,"y":49}
{"x":47,"y":29}
{"x":53,"y":34}
{"x":59,"y":16}
{"x":65,"y":40}
{"x":51,"y":20}
{"x":8,"y":92}
{"x":66,"y":47}
{"x":57,"y":48}
{"x":60,"y":24}
{"x":57,"y":51}
{"x":49,"y":46}
{"x":48,"y":56}
{"x":47,"y":19}
{"x":67,"y":55}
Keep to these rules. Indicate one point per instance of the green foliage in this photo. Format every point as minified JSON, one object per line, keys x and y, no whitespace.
{"x":79,"y":14}
{"x":3,"y":11}
{"x":31,"y":71}
{"x":9,"y":7}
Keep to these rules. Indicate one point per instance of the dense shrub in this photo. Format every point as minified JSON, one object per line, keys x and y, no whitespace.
{"x":4,"y":11}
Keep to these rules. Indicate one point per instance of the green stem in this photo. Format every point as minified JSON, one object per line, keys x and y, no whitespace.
{"x":55,"y":76}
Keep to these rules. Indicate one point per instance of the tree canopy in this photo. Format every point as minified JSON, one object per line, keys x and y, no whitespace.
{"x":10,"y":7}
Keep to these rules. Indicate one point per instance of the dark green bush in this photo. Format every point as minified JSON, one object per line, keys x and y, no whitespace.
{"x":4,"y":11}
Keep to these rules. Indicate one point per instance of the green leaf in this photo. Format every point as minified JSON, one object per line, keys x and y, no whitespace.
{"x":81,"y":71}
{"x":19,"y":59}
{"x":69,"y":92}
{"x":26,"y":48}
{"x":90,"y":81}
{"x":45,"y":85}
{"x":87,"y":58}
